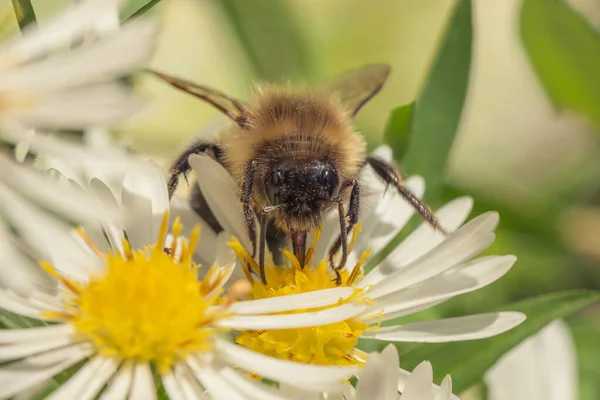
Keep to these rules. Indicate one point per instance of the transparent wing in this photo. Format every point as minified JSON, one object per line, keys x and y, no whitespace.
{"x":227,"y":105}
{"x":355,"y":88}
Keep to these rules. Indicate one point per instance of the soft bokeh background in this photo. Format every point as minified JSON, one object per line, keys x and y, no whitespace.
{"x":515,"y":153}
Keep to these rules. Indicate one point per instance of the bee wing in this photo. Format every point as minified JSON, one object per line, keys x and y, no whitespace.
{"x":354,"y":88}
{"x":227,"y":105}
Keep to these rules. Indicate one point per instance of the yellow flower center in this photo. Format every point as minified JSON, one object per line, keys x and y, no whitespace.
{"x":331,"y":344}
{"x":146,"y":305}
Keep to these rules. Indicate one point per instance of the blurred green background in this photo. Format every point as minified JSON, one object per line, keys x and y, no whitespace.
{"x":515,"y":151}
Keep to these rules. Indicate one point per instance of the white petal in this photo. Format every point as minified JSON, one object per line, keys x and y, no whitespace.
{"x":467,"y":278}
{"x":206,"y":249}
{"x":104,"y":59}
{"x":391,"y":374}
{"x":445,"y":391}
{"x":319,"y":298}
{"x":61,"y":29}
{"x":79,"y":108}
{"x":118,"y":387}
{"x":379,"y":378}
{"x":295,"y":393}
{"x":461,"y":245}
{"x":20,"y":306}
{"x":406,"y":376}
{"x":543,"y":367}
{"x":213,"y":382}
{"x":391,"y":216}
{"x":32,"y":334}
{"x":86,"y":382}
{"x":142,"y":386}
{"x":419,"y":385}
{"x":17,"y":271}
{"x":14,"y":351}
{"x":147,"y":180}
{"x":189,"y":384}
{"x":423,"y":239}
{"x":251,"y":388}
{"x":330,"y":231}
{"x":103,"y":192}
{"x":384,"y":152}
{"x":50,"y":239}
{"x":63,"y":200}
{"x":221,"y":194}
{"x":319,"y":378}
{"x":287,"y":321}
{"x":452,"y":329}
{"x":225,"y":260}
{"x":138,"y":219}
{"x":32,"y":371}
{"x":171,"y":386}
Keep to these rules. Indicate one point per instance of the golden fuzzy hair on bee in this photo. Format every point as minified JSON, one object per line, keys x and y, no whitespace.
{"x":294,"y":155}
{"x":299,"y":124}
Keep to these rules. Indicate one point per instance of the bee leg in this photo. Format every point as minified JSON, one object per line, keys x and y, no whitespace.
{"x":342,"y":239}
{"x":391,"y":176}
{"x":261,"y":247}
{"x":276,"y":240}
{"x":263,"y":240}
{"x":343,"y":242}
{"x":182,"y":166}
{"x":247,"y":183}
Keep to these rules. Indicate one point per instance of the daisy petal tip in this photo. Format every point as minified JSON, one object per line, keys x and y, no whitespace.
{"x":424,"y":367}
{"x":384,"y":151}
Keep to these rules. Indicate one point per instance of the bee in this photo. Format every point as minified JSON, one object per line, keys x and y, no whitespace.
{"x":294,"y":155}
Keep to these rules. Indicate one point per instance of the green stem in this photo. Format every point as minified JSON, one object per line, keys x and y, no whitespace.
{"x":24,"y":13}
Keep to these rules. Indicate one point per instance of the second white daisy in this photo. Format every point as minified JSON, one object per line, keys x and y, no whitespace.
{"x":425,"y":270}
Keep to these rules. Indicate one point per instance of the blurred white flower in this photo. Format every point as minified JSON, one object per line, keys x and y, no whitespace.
{"x":543,"y":367}
{"x":382,"y":379}
{"x":125,"y":297}
{"x":54,"y":78}
{"x":424,"y":270}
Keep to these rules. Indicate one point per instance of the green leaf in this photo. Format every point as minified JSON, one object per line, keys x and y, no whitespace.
{"x":586,"y":332}
{"x":467,"y":361}
{"x":436,"y":115}
{"x":439,"y":107}
{"x":24,"y":13}
{"x":135,"y":8}
{"x":397,"y":130}
{"x":564,"y":50}
{"x":270,"y":37}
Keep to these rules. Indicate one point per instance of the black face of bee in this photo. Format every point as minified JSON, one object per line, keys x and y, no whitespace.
{"x":302,"y":187}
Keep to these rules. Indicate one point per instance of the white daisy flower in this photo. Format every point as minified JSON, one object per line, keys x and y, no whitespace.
{"x":543,"y":367}
{"x":425,"y":270}
{"x":51,"y":78}
{"x":130,"y":302}
{"x":383,"y":379}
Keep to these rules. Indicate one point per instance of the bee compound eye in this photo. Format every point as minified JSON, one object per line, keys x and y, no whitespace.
{"x":330,"y":180}
{"x":272,"y":187}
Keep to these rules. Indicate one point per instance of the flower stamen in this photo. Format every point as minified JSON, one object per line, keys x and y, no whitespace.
{"x":330,"y":344}
{"x":147,"y":306}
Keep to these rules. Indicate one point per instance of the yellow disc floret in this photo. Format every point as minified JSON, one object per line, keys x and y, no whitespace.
{"x":147,"y":305}
{"x":331,"y":344}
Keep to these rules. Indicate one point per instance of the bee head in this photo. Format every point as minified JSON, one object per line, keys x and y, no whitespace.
{"x":302,"y":188}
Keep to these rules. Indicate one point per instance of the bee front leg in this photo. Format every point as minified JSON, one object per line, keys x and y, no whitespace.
{"x":247,"y":183}
{"x":182,"y":166}
{"x":342,"y":239}
{"x":391,"y":176}
{"x":263,"y":240}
